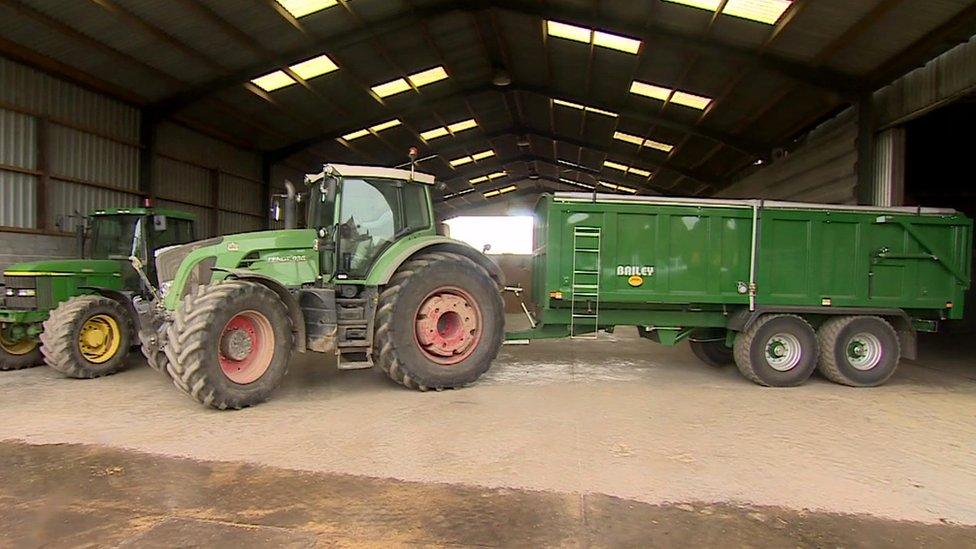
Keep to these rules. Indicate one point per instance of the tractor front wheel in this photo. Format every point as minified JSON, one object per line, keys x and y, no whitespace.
{"x":229,"y":344}
{"x":17,"y":355}
{"x":439,"y":322}
{"x":87,"y":336}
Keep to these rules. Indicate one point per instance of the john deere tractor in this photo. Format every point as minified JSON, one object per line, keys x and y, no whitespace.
{"x":368,"y":280}
{"x":79,"y":315}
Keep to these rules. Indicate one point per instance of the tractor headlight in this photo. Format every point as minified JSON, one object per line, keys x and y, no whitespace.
{"x":164,"y":287}
{"x":26,"y":292}
{"x":10,"y":292}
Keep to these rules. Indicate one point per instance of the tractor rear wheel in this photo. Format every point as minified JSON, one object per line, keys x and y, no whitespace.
{"x":439,"y":322}
{"x":229,"y":344}
{"x":709,"y":346}
{"x":87,"y":336}
{"x":17,"y":355}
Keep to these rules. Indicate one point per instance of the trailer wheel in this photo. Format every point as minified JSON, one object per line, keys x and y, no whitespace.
{"x":859,"y":351}
{"x":87,"y":336}
{"x":229,"y":344}
{"x":17,"y":355}
{"x":439,"y":322}
{"x":709,"y":346}
{"x":777,"y":351}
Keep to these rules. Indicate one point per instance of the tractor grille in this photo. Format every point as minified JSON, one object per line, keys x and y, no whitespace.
{"x":168,"y":260}
{"x":14,"y":283}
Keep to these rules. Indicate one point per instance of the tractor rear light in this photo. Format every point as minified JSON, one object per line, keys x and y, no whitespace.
{"x":556,"y":295}
{"x":948,"y":304}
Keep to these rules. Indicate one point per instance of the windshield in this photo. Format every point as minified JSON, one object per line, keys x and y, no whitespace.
{"x":116,"y":236}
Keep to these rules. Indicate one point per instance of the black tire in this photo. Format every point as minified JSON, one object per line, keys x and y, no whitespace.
{"x":193,"y":340}
{"x":396,"y":349}
{"x":10,"y":360}
{"x":837,"y":335}
{"x":709,"y":346}
{"x":791,"y":332}
{"x":60,"y":340}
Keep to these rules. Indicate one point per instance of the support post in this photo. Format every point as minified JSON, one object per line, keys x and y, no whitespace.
{"x":215,"y":201}
{"x":266,"y":163}
{"x":148,"y":125}
{"x":865,"y":149}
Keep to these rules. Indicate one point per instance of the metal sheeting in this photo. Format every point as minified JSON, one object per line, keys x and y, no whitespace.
{"x":944,"y":79}
{"x":240,"y":195}
{"x":204,"y":225}
{"x":67,"y":198}
{"x":18,"y":200}
{"x":824,"y":169}
{"x":181,"y":181}
{"x":35,"y":91}
{"x":84,"y":156}
{"x":236,"y":223}
{"x":18,"y":135}
{"x":889,"y":168}
{"x":196,"y":148}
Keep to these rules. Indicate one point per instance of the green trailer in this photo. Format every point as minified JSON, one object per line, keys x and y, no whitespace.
{"x":79,"y":315}
{"x":779,"y":288}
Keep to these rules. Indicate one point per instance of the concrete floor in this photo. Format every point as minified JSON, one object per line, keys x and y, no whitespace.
{"x":614,"y":442}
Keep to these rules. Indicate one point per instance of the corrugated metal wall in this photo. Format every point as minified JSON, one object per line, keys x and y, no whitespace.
{"x":92,"y":160}
{"x":823,"y":169}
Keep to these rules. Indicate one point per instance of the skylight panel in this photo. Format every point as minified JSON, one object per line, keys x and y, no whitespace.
{"x":641,"y":142}
{"x":569,"y":32}
{"x":472,"y":158}
{"x":418,"y":79}
{"x":462,"y":125}
{"x":584,"y":108}
{"x":392,"y":87}
{"x":461,"y":161}
{"x":483,"y":154}
{"x":616,"y":187}
{"x":355,"y":135}
{"x":616,"y":42}
{"x":434,"y":133}
{"x":665,"y":94}
{"x":385,"y":125}
{"x":316,"y":66}
{"x":626,"y":169}
{"x":596,"y":37}
{"x":301,"y":8}
{"x":763,"y":11}
{"x":273,"y":81}
{"x":489,"y":177}
{"x":503,"y":190}
{"x":428,"y":76}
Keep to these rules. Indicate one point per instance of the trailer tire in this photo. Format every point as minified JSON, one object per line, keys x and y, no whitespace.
{"x":777,"y":351}
{"x":17,"y":356}
{"x":68,"y":350}
{"x":858,"y":351}
{"x":421,"y":351}
{"x":229,"y":344}
{"x":709,"y":346}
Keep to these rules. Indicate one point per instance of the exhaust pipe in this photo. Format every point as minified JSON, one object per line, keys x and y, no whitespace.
{"x":290,"y":204}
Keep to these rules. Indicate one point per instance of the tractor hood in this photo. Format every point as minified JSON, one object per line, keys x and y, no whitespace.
{"x":62,"y":267}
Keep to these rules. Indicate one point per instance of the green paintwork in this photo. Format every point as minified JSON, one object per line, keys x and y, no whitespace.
{"x":701,"y":254}
{"x":288,"y":256}
{"x":57,"y":280}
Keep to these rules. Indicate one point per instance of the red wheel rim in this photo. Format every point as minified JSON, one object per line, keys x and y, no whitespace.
{"x":448,"y":326}
{"x":246,"y":347}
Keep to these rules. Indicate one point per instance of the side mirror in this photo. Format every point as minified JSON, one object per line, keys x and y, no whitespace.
{"x":485,"y":248}
{"x":276,"y":210}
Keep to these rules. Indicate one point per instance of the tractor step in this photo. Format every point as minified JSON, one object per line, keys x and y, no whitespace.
{"x":354,"y":361}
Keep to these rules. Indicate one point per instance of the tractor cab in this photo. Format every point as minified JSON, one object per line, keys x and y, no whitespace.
{"x":360,"y":211}
{"x":120,"y":233}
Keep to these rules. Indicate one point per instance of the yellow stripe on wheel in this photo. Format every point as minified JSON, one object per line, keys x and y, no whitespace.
{"x":99,"y":339}
{"x":18,"y":348}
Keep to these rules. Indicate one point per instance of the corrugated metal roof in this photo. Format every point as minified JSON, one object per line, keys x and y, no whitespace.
{"x":767,"y":83}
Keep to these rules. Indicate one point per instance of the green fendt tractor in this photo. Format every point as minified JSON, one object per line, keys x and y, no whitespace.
{"x":79,"y":315}
{"x":369,"y":280}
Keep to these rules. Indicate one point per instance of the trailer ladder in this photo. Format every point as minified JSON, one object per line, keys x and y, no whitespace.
{"x":584,"y":320}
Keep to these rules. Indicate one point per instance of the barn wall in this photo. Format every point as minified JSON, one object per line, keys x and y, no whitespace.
{"x":64,"y":149}
{"x":822,"y":169}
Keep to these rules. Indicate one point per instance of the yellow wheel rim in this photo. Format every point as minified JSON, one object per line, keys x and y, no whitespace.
{"x":99,"y":338}
{"x":18,"y":348}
